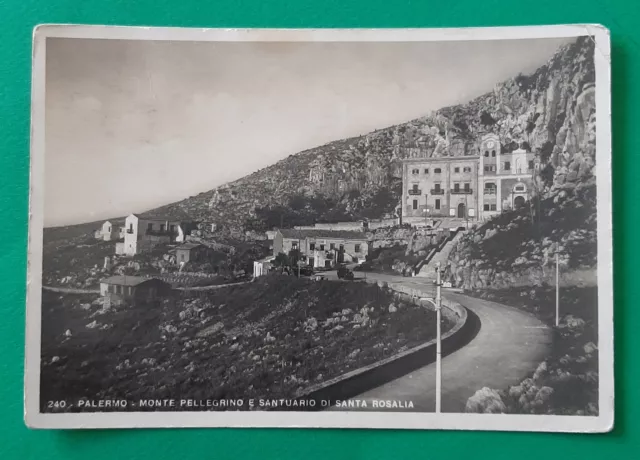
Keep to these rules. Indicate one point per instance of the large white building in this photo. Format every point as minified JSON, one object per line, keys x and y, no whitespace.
{"x":471,"y":187}
{"x":142,"y":234}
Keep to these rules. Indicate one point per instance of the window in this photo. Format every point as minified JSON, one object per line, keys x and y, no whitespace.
{"x":486,"y":153}
{"x":131,"y":228}
{"x":415,"y":204}
{"x":437,"y":187}
{"x":493,"y":207}
{"x":507,"y":165}
{"x":312,"y":246}
{"x":357,"y":248}
{"x":519,"y":188}
{"x":456,"y":170}
{"x":294,"y":245}
{"x":173,"y":228}
{"x":109,"y":230}
{"x":415,"y":171}
{"x":182,"y":256}
{"x":531,"y":164}
{"x":437,"y":170}
{"x":415,"y":188}
{"x":490,"y":168}
{"x":426,"y":170}
{"x":493,"y":153}
{"x":456,"y":187}
{"x":162,"y":227}
{"x":332,"y":246}
{"x":467,"y":187}
{"x":437,"y":204}
{"x":149,"y":226}
{"x":466,"y":169}
{"x":486,"y":207}
{"x":322,"y":247}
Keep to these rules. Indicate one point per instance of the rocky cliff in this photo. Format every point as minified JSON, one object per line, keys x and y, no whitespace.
{"x":554,"y":112}
{"x":550,"y":112}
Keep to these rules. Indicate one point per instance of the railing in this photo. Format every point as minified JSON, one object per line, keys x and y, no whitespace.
{"x":437,"y":191}
{"x":462,"y":191}
{"x":489,"y":191}
{"x":161,"y":232}
{"x":415,"y":191}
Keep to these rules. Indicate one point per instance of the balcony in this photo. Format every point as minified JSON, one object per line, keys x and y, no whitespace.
{"x":415,"y":191}
{"x":489,"y":191}
{"x":161,"y":232}
{"x":462,"y":191}
{"x":437,"y":191}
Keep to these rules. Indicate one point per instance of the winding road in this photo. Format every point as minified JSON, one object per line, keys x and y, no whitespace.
{"x":508,"y":346}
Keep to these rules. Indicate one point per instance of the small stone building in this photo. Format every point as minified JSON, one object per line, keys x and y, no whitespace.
{"x":191,"y":252}
{"x":137,"y":288}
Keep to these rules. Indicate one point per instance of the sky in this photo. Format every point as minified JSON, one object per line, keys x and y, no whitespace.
{"x":132,"y":124}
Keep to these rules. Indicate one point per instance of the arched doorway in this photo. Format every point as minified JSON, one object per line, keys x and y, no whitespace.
{"x":518,"y":202}
{"x":461,"y":210}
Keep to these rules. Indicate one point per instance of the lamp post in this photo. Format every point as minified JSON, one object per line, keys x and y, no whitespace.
{"x":557,"y":288}
{"x":438,"y":339}
{"x":438,"y":307}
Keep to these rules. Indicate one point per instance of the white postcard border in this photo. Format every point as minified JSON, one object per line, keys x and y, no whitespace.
{"x":336,"y":419}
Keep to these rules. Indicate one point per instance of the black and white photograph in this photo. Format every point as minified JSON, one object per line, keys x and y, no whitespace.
{"x":375,"y":228}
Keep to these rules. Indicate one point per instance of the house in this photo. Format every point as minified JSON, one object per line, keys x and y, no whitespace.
{"x":120,"y":288}
{"x":261,"y":267}
{"x":323,"y":248}
{"x":470,"y":185}
{"x":143,"y":233}
{"x":191,"y":252}
{"x":107,"y":232}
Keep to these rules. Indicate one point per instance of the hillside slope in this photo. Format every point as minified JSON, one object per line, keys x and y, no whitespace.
{"x":550,"y":112}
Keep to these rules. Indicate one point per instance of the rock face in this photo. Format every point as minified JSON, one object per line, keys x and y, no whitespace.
{"x":551,"y":112}
{"x":554,"y":112}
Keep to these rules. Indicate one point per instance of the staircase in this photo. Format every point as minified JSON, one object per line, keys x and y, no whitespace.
{"x":428,"y":270}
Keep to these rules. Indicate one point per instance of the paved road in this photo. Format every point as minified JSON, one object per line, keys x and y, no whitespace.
{"x":509,"y":345}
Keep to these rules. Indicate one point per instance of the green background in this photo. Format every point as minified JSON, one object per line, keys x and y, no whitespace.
{"x":18,"y":17}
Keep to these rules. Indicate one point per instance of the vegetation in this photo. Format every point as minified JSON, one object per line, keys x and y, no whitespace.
{"x":271,"y":338}
{"x":566,"y":383}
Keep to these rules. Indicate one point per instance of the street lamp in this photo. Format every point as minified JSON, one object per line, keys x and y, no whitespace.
{"x":438,"y":307}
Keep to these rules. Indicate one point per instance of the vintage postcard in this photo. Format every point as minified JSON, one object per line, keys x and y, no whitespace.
{"x":374,"y":228}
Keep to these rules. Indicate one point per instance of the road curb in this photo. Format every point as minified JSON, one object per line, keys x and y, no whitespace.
{"x":363,"y":379}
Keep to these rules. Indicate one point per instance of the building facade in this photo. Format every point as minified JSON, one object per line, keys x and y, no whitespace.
{"x":137,"y":288}
{"x":108,"y":232}
{"x":142,"y":234}
{"x":467,"y":187}
{"x":191,"y":252}
{"x":323,"y":248}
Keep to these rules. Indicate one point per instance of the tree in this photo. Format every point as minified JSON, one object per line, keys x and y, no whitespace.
{"x":294,"y":257}
{"x":281,"y":260}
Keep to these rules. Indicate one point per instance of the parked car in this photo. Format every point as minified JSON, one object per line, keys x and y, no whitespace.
{"x":345,"y":273}
{"x":306,"y":271}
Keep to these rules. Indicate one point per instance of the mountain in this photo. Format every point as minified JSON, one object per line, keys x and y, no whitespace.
{"x":551,"y":112}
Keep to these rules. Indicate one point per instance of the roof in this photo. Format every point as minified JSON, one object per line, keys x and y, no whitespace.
{"x":189,"y":246}
{"x":156,"y":218}
{"x":124,"y":280}
{"x":329,"y":234}
{"x":443,"y":159}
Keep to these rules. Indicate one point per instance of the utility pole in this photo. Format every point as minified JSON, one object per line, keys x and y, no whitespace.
{"x":557,"y":288}
{"x":438,"y":338}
